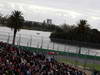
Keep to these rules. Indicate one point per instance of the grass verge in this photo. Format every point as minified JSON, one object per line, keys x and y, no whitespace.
{"x":76,"y":63}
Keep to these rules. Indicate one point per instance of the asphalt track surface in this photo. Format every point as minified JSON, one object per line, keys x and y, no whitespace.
{"x":78,"y":59}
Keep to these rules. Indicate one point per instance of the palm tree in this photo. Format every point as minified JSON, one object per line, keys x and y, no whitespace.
{"x":15,"y":22}
{"x":83,"y":26}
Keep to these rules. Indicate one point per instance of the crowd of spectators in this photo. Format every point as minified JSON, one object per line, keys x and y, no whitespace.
{"x":17,"y":61}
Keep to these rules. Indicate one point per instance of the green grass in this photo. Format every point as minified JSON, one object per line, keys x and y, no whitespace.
{"x":76,"y":63}
{"x":67,"y":61}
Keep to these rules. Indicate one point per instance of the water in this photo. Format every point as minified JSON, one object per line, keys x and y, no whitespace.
{"x":40,"y":39}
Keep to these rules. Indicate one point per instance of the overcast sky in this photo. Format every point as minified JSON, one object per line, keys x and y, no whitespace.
{"x":60,"y":11}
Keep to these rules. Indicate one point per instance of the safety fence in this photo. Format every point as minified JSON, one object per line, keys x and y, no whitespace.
{"x":85,"y":61}
{"x":63,"y":52}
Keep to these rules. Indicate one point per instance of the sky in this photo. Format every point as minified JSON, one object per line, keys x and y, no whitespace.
{"x":60,"y":11}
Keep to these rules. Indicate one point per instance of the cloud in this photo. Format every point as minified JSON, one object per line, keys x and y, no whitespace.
{"x":60,"y":11}
{"x":95,"y":18}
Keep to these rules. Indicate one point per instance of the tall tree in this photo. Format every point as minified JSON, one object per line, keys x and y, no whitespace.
{"x":15,"y":22}
{"x":3,"y":20}
{"x":83,"y":26}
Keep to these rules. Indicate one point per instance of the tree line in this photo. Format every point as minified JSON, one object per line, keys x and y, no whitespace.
{"x":16,"y":22}
{"x":42,"y":26}
{"x":31,"y":25}
{"x":81,"y":32}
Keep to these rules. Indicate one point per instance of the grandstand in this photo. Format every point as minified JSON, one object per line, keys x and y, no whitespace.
{"x":26,"y":48}
{"x":16,"y":60}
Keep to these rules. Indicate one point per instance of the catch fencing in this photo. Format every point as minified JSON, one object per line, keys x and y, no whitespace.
{"x":75,"y":55}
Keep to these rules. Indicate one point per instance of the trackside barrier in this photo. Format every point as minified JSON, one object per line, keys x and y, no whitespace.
{"x":59,"y":52}
{"x":44,"y":45}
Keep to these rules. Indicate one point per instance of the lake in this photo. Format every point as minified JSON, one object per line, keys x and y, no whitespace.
{"x":40,"y":39}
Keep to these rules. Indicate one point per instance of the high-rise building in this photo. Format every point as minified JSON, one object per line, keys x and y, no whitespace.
{"x":49,"y":21}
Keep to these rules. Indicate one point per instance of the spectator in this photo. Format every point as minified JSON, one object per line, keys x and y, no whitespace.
{"x":17,"y":61}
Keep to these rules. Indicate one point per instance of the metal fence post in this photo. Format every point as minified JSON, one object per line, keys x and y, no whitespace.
{"x":27,"y":44}
{"x":41,"y":42}
{"x":58,"y":47}
{"x":8,"y":38}
{"x":37,"y":44}
{"x":48,"y":46}
{"x":53,"y":45}
{"x":30,"y":41}
{"x":19,"y":41}
{"x":65,"y":48}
